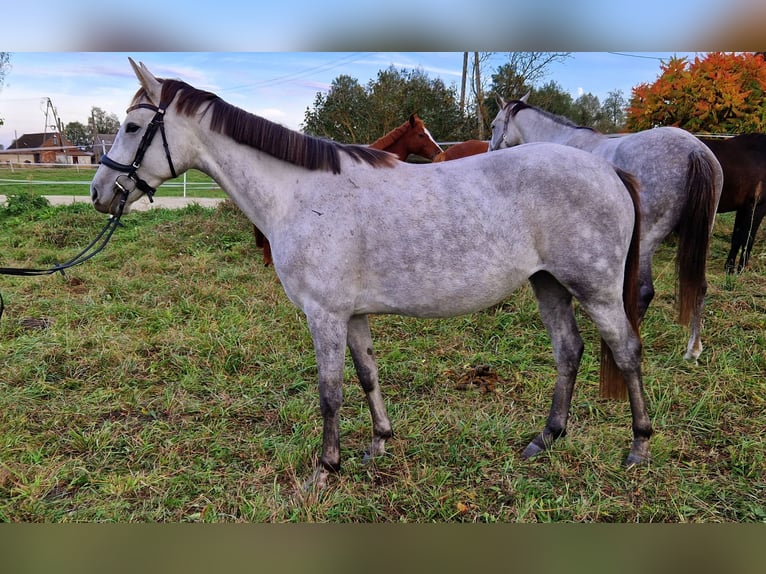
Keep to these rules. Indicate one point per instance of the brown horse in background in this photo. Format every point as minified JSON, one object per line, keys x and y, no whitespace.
{"x":743,"y":160}
{"x":463,"y":149}
{"x":410,"y":138}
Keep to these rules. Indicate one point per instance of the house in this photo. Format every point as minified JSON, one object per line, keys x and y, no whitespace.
{"x":50,"y":147}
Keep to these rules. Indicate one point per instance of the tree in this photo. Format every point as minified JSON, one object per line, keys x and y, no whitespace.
{"x":552,"y":98}
{"x":351,"y":113}
{"x":339,"y":113}
{"x":520,"y":74}
{"x":5,"y":64}
{"x":78,"y":134}
{"x":612,"y":113}
{"x":721,"y":92}
{"x":586,"y":110}
{"x":101,"y":122}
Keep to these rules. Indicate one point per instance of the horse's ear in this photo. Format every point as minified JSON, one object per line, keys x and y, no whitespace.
{"x":151,"y":85}
{"x":413,"y":119}
{"x":500,"y":101}
{"x":525,"y":97}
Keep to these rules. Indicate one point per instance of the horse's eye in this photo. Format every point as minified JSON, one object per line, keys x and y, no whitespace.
{"x":132,"y":128}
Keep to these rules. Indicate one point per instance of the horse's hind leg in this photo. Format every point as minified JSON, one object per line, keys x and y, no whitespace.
{"x":360,"y":345}
{"x":615,"y":329}
{"x":555,"y":305}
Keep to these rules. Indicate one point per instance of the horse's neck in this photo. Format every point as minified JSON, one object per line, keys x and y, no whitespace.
{"x":398,"y":147}
{"x":538,"y":127}
{"x":251,"y":178}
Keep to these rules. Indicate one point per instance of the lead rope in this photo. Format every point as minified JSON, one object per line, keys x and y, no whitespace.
{"x":94,"y":247}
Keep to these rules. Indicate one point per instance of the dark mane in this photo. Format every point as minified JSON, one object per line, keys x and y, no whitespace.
{"x":249,"y":129}
{"x":516,"y":106}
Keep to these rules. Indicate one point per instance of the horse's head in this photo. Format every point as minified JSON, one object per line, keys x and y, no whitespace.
{"x":505,"y":133}
{"x":140,"y":159}
{"x":420,"y":141}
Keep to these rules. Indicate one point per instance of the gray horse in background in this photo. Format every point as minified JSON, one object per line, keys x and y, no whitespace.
{"x":680,"y":182}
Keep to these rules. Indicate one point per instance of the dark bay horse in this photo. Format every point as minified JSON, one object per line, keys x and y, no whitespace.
{"x":743,"y":160}
{"x":410,"y":138}
{"x":463,"y":149}
{"x":357,"y":232}
{"x":680,"y":181}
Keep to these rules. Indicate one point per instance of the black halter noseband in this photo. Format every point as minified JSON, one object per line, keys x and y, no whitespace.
{"x":158,"y":121}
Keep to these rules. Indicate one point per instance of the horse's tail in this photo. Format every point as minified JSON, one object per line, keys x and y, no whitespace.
{"x":694,"y":230}
{"x":611,"y":382}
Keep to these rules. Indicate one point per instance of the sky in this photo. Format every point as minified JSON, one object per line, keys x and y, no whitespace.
{"x":272,"y":58}
{"x":277,"y":85}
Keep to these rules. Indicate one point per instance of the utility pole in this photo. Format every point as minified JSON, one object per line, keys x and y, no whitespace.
{"x":57,"y":124}
{"x":479,"y":94}
{"x":462,"y":83}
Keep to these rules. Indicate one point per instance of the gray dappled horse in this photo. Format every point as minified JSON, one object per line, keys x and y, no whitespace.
{"x":357,"y":232}
{"x":679,"y":180}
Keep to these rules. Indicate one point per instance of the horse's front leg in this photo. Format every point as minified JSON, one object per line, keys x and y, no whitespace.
{"x":758,"y":214}
{"x":329,"y":335}
{"x":555,"y":305}
{"x":360,"y":345}
{"x":739,"y":237}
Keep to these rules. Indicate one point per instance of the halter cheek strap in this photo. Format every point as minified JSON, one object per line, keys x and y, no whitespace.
{"x":158,"y":121}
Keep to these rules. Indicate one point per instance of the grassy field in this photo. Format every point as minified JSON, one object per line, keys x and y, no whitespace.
{"x":75,"y":180}
{"x":169,"y":379}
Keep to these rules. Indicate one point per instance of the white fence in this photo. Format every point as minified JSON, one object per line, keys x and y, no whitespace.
{"x":21,"y":167}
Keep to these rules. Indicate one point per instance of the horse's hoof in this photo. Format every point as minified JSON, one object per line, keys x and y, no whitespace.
{"x":639,"y":456}
{"x":531,"y":451}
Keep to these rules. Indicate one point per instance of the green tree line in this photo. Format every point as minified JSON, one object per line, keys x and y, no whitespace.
{"x":715,"y":93}
{"x":350,"y":112}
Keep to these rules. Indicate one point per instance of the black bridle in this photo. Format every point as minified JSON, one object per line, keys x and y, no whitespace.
{"x":158,"y":121}
{"x":125,"y":188}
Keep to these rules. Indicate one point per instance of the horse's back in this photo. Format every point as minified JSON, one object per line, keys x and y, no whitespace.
{"x":660,"y":159}
{"x":462,"y":149}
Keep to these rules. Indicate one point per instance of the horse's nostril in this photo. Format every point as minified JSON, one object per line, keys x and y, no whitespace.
{"x":93,"y":193}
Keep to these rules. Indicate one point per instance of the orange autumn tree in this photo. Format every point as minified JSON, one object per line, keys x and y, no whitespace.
{"x":719,"y":93}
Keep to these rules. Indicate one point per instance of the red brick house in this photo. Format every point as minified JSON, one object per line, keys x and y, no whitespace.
{"x":44,"y":148}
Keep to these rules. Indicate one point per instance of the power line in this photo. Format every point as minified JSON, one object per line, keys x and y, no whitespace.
{"x":348,"y":59}
{"x":637,"y":56}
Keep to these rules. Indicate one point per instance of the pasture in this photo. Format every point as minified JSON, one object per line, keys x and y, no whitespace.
{"x":170,"y":380}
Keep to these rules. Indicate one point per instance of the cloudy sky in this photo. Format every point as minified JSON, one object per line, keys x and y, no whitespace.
{"x":277,"y":85}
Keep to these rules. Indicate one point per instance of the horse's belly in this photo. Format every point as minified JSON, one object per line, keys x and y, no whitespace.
{"x":438,"y":295}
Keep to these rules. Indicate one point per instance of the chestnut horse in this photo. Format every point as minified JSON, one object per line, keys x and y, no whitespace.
{"x":743,"y":160}
{"x":410,"y":138}
{"x":463,"y":149}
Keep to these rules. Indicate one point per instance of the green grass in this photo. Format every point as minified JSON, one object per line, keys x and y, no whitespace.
{"x":174,"y":382}
{"x":75,"y":180}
